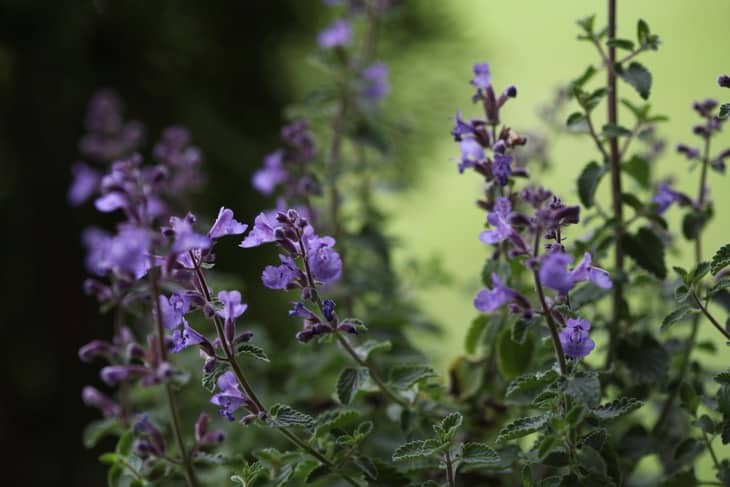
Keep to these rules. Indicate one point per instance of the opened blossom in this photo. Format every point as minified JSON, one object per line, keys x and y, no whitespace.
{"x":338,"y":34}
{"x":499,"y":295}
{"x":498,"y":220}
{"x":272,"y":174}
{"x":574,"y":338}
{"x":230,"y":398}
{"x":555,"y":274}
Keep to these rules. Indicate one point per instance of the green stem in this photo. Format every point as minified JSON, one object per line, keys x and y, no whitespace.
{"x":709,"y":316}
{"x":449,"y":469}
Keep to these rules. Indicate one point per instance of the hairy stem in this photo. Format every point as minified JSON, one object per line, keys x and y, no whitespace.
{"x":709,"y":316}
{"x":449,"y":469}
{"x":190,"y":477}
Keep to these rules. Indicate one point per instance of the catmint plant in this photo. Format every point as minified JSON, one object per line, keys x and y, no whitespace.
{"x":575,"y":369}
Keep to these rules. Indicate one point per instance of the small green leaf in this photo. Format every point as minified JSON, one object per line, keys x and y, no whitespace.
{"x":210,"y":378}
{"x":418,"y":449}
{"x":521,"y":427}
{"x":638,"y":168}
{"x":689,"y":399}
{"x":646,"y":358}
{"x":724,"y":111}
{"x":698,"y":273}
{"x":647,"y":250}
{"x":584,"y":387}
{"x":720,"y":260}
{"x":252,"y":351}
{"x":583,"y":78}
{"x":370,"y":347}
{"x":617,"y":408}
{"x":612,"y":131}
{"x":637,"y":76}
{"x":124,"y":445}
{"x":526,"y":387}
{"x":478,"y":454}
{"x":723,"y":400}
{"x":109,"y":458}
{"x":642,"y":32}
{"x":675,"y":316}
{"x":621,"y":44}
{"x":723,"y":378}
{"x":350,"y":381}
{"x":521,"y":327}
{"x":283,"y":416}
{"x":588,"y":182}
{"x":577,"y":122}
{"x":513,"y":358}
{"x":475,"y":332}
{"x":333,"y":419}
{"x":705,"y":423}
{"x":692,"y":224}
{"x":404,"y":376}
{"x":446,"y":429}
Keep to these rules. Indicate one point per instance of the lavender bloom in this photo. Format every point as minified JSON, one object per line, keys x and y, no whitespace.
{"x":96,"y":242}
{"x":471,"y":153}
{"x":723,"y":81}
{"x":96,"y":348}
{"x":280,"y":277}
{"x":502,"y":169}
{"x":376,"y":81}
{"x":490,"y":299}
{"x":324,"y":262}
{"x":128,"y":252}
{"x":584,"y":271}
{"x":186,"y":337}
{"x":689,"y":152}
{"x":85,"y":183}
{"x":554,"y":273}
{"x":111,"y":202}
{"x":225,"y":224}
{"x":574,"y":339}
{"x":482,"y":76}
{"x":114,"y":374}
{"x":297,"y":135}
{"x":266,"y":179}
{"x":230,"y":398}
{"x":92,"y":397}
{"x":262,"y":231}
{"x":109,"y":136}
{"x":337,"y":34}
{"x":232,"y":306}
{"x":499,"y":220}
{"x":186,"y":239}
{"x":203,"y":437}
{"x":666,"y":196}
{"x":173,"y":310}
{"x":461,"y":128}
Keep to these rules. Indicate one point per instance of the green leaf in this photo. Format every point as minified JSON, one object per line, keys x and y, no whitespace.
{"x":638,"y":168}
{"x":577,"y":122}
{"x":318,"y":473}
{"x":583,"y":78}
{"x":720,"y":260}
{"x":719,"y":286}
{"x":637,"y":76}
{"x":418,"y":449}
{"x":366,"y":466}
{"x":521,"y":427}
{"x":478,"y":454}
{"x":334,"y":419}
{"x":723,"y":378}
{"x":621,"y":44}
{"x":252,"y":351}
{"x":723,"y":400}
{"x":350,"y":381}
{"x":114,"y":475}
{"x":210,"y":378}
{"x":525,"y":388}
{"x":698,"y":273}
{"x":647,"y":250}
{"x":96,"y":430}
{"x":675,"y":316}
{"x":689,"y":399}
{"x":588,"y":182}
{"x":642,"y":32}
{"x":646,"y":358}
{"x":283,"y":416}
{"x":250,"y":473}
{"x":446,"y":429}
{"x":513,"y":358}
{"x":109,"y":458}
{"x":584,"y":387}
{"x":724,"y":111}
{"x":617,"y":408}
{"x":474,"y":333}
{"x":705,"y":423}
{"x":124,"y":445}
{"x":692,"y":224}
{"x":591,"y":461}
{"x":370,"y":347}
{"x":613,"y":131}
{"x":521,"y":327}
{"x":404,"y":376}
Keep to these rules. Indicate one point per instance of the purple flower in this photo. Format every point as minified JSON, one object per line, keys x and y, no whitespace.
{"x":186,"y":337}
{"x":502,"y":169}
{"x":376,"y":81}
{"x":499,"y":220}
{"x":482,"y":76}
{"x":85,"y":182}
{"x":230,"y":398}
{"x":461,"y":128}
{"x":111,"y":202}
{"x":584,"y":271}
{"x":92,"y":397}
{"x":689,"y":152}
{"x":471,"y":153}
{"x":96,"y":348}
{"x":225,"y":224}
{"x":266,"y":179}
{"x":336,"y":34}
{"x":232,"y":306}
{"x":173,"y":310}
{"x":186,"y":239}
{"x":554,"y":273}
{"x":281,"y":276}
{"x":297,"y":135}
{"x":324,"y":262}
{"x":574,"y":338}
{"x":723,"y":81}
{"x":490,"y":299}
{"x":262,"y":231}
{"x":203,"y":437}
{"x":128,"y":252}
{"x":114,"y":374}
{"x":666,"y":196}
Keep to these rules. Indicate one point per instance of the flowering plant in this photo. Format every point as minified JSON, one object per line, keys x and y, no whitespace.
{"x":566,"y":377}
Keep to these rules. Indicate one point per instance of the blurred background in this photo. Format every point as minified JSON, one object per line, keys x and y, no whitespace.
{"x":226,"y":70}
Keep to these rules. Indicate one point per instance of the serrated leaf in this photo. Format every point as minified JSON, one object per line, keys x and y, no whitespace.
{"x":370,"y":347}
{"x":637,"y":76}
{"x":526,"y":387}
{"x":720,"y":285}
{"x":249,"y":474}
{"x":210,"y":378}
{"x":584,"y":387}
{"x":418,"y":449}
{"x":350,"y":381}
{"x":521,"y":427}
{"x":404,"y":376}
{"x":283,"y":416}
{"x":521,"y":327}
{"x":617,"y":408}
{"x":478,"y":454}
{"x":337,"y":418}
{"x":675,"y":316}
{"x":647,"y":250}
{"x":252,"y":351}
{"x":724,"y":111}
{"x":723,"y":378}
{"x":366,"y":466}
{"x":446,"y":429}
{"x":588,"y":182}
{"x":720,"y":260}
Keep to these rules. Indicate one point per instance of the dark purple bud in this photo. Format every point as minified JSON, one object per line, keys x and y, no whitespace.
{"x":95,"y":288}
{"x":705,"y":108}
{"x":243,"y":337}
{"x":209,"y":311}
{"x":723,"y":81}
{"x":701,"y":130}
{"x":114,"y":374}
{"x":328,"y":310}
{"x":567,"y":215}
{"x":135,"y":351}
{"x":347,"y":327}
{"x":96,"y":348}
{"x":143,"y":448}
{"x":689,"y":152}
{"x":209,"y":364}
{"x":201,"y":426}
{"x":305,"y":336}
{"x":248,"y":419}
{"x":92,"y":397}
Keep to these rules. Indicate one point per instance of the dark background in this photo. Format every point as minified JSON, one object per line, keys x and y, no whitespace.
{"x":210,"y":66}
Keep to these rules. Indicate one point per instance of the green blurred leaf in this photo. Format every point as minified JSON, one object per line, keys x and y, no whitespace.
{"x":350,"y":381}
{"x":370,"y":347}
{"x":447,"y":428}
{"x":647,"y":250}
{"x":474,"y":333}
{"x":613,"y":131}
{"x":513,"y":358}
{"x":675,"y":316}
{"x":478,"y":454}
{"x":588,"y":182}
{"x":638,"y":168}
{"x":720,"y":260}
{"x":96,"y":430}
{"x":584,"y":387}
{"x":577,"y":122}
{"x":521,"y":427}
{"x":617,"y":408}
{"x":252,"y":351}
{"x":637,"y":76}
